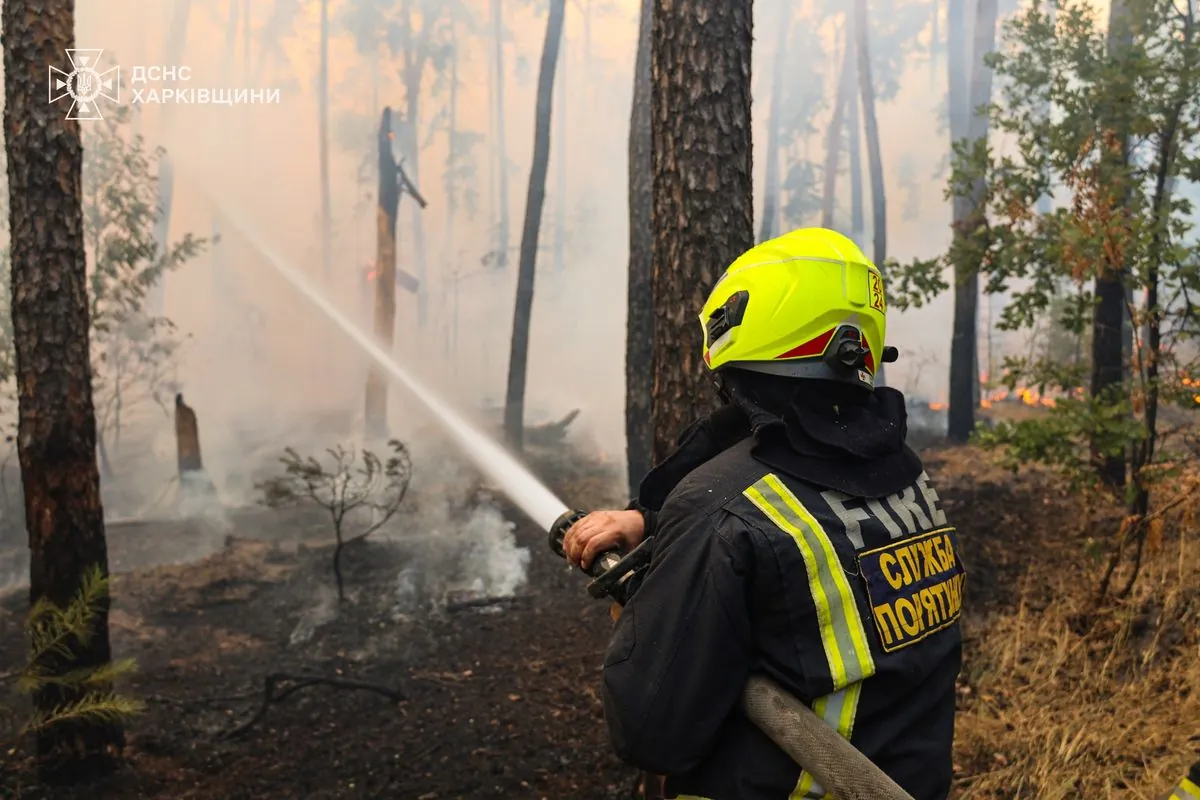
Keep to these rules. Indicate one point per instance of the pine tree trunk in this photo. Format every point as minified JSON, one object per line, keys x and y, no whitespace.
{"x":156,"y":295}
{"x":1109,"y":316}
{"x":323,"y":139}
{"x":871,"y":128}
{"x":769,"y":226}
{"x":501,"y":149}
{"x":969,"y":210}
{"x":833,"y":138}
{"x":388,"y":198}
{"x":514,"y":403}
{"x":639,"y":325}
{"x":56,"y":426}
{"x":703,"y":214}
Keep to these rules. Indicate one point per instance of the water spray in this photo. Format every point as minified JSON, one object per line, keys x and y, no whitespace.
{"x":529,"y":494}
{"x":840,"y":768}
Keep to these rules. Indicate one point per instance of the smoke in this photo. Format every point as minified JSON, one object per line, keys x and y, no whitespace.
{"x":264,"y":371}
{"x":456,"y":539}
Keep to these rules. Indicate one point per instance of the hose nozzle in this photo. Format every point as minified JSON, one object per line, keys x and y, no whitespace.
{"x":558,"y":530}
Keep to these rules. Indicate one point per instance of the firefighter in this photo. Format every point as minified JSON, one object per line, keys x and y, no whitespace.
{"x":814,"y":550}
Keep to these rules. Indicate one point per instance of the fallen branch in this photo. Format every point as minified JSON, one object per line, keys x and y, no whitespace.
{"x":482,"y":602}
{"x":272,"y":681}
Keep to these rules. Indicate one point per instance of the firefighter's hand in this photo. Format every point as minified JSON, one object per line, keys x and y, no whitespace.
{"x":600,"y":531}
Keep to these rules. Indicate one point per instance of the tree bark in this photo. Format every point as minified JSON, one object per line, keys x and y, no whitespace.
{"x":514,"y":404}
{"x":385,"y":279}
{"x":769,"y":227}
{"x":156,"y":295}
{"x":703,"y":216}
{"x":501,"y":150}
{"x":1109,"y":316}
{"x":56,"y":426}
{"x":323,"y":140}
{"x":871,"y":128}
{"x":639,"y":325}
{"x":833,"y":139}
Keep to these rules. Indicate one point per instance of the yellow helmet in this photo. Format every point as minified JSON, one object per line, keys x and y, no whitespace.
{"x":807,"y":304}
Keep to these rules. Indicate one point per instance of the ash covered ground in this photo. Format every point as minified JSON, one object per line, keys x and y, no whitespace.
{"x":502,"y":700}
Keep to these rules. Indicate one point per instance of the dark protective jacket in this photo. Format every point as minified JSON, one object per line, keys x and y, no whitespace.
{"x":815,"y":552}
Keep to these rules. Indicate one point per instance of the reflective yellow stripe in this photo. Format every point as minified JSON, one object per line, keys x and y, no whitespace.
{"x":1186,"y":790}
{"x":843,"y":636}
{"x":842,"y":633}
{"x":838,"y":710}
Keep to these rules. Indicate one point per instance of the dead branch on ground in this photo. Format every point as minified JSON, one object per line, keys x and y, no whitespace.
{"x":270,"y":695}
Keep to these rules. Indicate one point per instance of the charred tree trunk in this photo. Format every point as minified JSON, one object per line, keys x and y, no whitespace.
{"x":833,"y":139}
{"x":639,"y":325}
{"x":703,"y":213}
{"x":514,"y":403}
{"x":323,"y":139}
{"x":769,"y":227}
{"x":1110,"y":316}
{"x":501,"y":156}
{"x":56,"y":426}
{"x":156,"y":295}
{"x":385,"y":278}
{"x":560,"y":155}
{"x":871,"y":129}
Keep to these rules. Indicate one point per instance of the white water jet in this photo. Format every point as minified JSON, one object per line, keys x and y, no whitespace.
{"x":522,"y":487}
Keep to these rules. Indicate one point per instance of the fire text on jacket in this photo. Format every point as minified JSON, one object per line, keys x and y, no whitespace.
{"x":915,"y":586}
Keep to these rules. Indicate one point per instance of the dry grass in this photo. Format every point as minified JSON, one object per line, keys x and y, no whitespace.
{"x":1059,"y":699}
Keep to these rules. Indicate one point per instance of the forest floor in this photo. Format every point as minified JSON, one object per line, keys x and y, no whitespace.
{"x":502,"y":702}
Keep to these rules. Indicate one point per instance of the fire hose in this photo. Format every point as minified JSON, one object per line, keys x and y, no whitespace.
{"x":837,"y":765}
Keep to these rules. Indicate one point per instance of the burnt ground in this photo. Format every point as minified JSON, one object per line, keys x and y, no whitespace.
{"x":498,"y":702}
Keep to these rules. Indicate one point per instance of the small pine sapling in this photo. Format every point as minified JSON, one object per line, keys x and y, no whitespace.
{"x":85,"y":693}
{"x":352,"y":485}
